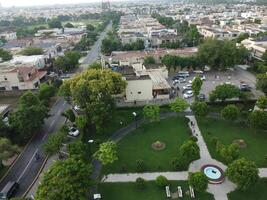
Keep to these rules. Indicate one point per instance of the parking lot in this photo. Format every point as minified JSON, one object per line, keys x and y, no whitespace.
{"x":235,"y":77}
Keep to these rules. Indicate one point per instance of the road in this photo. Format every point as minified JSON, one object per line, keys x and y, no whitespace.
{"x":93,"y":55}
{"x":26,"y":167}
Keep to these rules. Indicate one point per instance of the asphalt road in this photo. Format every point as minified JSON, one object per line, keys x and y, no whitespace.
{"x":93,"y":55}
{"x":26,"y":167}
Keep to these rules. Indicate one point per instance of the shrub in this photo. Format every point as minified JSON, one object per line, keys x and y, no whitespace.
{"x":161,"y":181}
{"x":198,"y":181}
{"x":194,"y":138}
{"x":180,"y":163}
{"x":140,"y":183}
{"x":140,"y":166}
{"x":190,"y":150}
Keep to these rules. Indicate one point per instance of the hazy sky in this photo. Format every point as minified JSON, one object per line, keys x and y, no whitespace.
{"x":42,"y":2}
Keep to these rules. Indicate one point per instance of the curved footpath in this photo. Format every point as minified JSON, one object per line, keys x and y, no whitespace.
{"x":219,"y":191}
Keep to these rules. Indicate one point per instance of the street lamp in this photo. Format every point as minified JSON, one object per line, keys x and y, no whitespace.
{"x":135,"y":117}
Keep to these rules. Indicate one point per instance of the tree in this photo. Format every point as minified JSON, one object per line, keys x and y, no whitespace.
{"x":225,"y":91}
{"x":258,"y":119}
{"x":79,"y":149}
{"x":262,"y":102}
{"x":69,"y":25}
{"x":90,"y":27}
{"x":29,"y":51}
{"x":69,"y":114}
{"x":46,"y":92}
{"x":93,"y":91}
{"x":264,"y":57}
{"x":190,"y":150}
{"x":151,"y":113}
{"x":107,"y":153}
{"x":7,"y":150}
{"x":196,"y":85}
{"x":242,"y":37}
{"x":149,"y":60}
{"x":95,"y":65}
{"x":243,"y":172}
{"x":230,"y":112}
{"x":5,"y":55}
{"x":69,"y":179}
{"x":29,"y":116}
{"x":229,"y":153}
{"x":179,"y":105}
{"x":54,"y":142}
{"x":54,"y":23}
{"x":200,"y":108}
{"x":162,"y":181}
{"x":198,"y":181}
{"x":140,"y":182}
{"x":262,"y":82}
{"x":68,"y":62}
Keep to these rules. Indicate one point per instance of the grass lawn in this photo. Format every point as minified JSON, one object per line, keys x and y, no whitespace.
{"x":257,"y":192}
{"x":129,"y":191}
{"x":137,"y":145}
{"x":255,"y":140}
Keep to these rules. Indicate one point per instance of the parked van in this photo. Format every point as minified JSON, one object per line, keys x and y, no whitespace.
{"x":9,"y":190}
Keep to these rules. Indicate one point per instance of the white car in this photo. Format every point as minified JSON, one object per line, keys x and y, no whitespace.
{"x":190,"y":81}
{"x":77,"y":108}
{"x":188,"y":94}
{"x":188,"y":86}
{"x":74,"y":132}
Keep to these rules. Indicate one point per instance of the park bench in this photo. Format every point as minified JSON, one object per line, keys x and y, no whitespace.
{"x":168,"y":193}
{"x":192,"y":193}
{"x":180,"y":192}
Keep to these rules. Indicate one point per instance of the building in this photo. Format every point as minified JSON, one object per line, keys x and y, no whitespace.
{"x":13,"y":78}
{"x":37,"y":61}
{"x":257,"y":47}
{"x":159,"y":37}
{"x":8,"y":36}
{"x":145,"y":83}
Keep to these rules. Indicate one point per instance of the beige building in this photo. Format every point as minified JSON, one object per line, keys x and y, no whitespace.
{"x":20,"y":77}
{"x":257,"y":47}
{"x":145,"y":83}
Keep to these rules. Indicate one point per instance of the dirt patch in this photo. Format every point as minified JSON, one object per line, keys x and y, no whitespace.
{"x":240,"y":143}
{"x":158,"y":145}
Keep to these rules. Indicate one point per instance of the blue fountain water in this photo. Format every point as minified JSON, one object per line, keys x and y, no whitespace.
{"x":212,"y":173}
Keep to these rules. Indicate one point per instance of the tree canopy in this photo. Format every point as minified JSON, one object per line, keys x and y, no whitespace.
{"x":29,"y":51}
{"x":93,"y":91}
{"x":230,"y":112}
{"x":5,"y":55}
{"x":198,"y":181}
{"x":69,"y":179}
{"x":68,"y":62}
{"x":243,"y":172}
{"x":29,"y":116}
{"x":196,"y":85}
{"x":55,"y":23}
{"x":151,"y":113}
{"x":7,"y":150}
{"x":200,"y":108}
{"x":107,"y":153}
{"x":225,"y":91}
{"x":262,"y":82}
{"x":179,"y":105}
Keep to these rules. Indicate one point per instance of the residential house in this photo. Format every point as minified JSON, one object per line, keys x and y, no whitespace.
{"x":22,"y":77}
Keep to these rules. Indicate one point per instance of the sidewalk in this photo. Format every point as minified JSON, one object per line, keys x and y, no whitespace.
{"x":131,"y":177}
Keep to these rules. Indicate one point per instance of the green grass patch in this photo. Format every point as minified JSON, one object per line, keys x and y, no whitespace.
{"x":227,"y":132}
{"x":257,"y":192}
{"x":137,"y":146}
{"x":129,"y":191}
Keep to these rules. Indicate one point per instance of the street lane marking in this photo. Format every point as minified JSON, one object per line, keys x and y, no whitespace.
{"x":27,"y":165}
{"x":52,"y":123}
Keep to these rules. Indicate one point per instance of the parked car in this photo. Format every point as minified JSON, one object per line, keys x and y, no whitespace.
{"x":188,"y":86}
{"x":245,"y":87}
{"x":203,"y":77}
{"x":188,"y":94}
{"x":182,"y":80}
{"x":201,"y":97}
{"x":74,"y":131}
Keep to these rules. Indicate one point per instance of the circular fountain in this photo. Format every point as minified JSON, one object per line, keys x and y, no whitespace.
{"x":214,"y":173}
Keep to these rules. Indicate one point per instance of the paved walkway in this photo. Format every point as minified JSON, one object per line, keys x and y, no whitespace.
{"x":131,"y":177}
